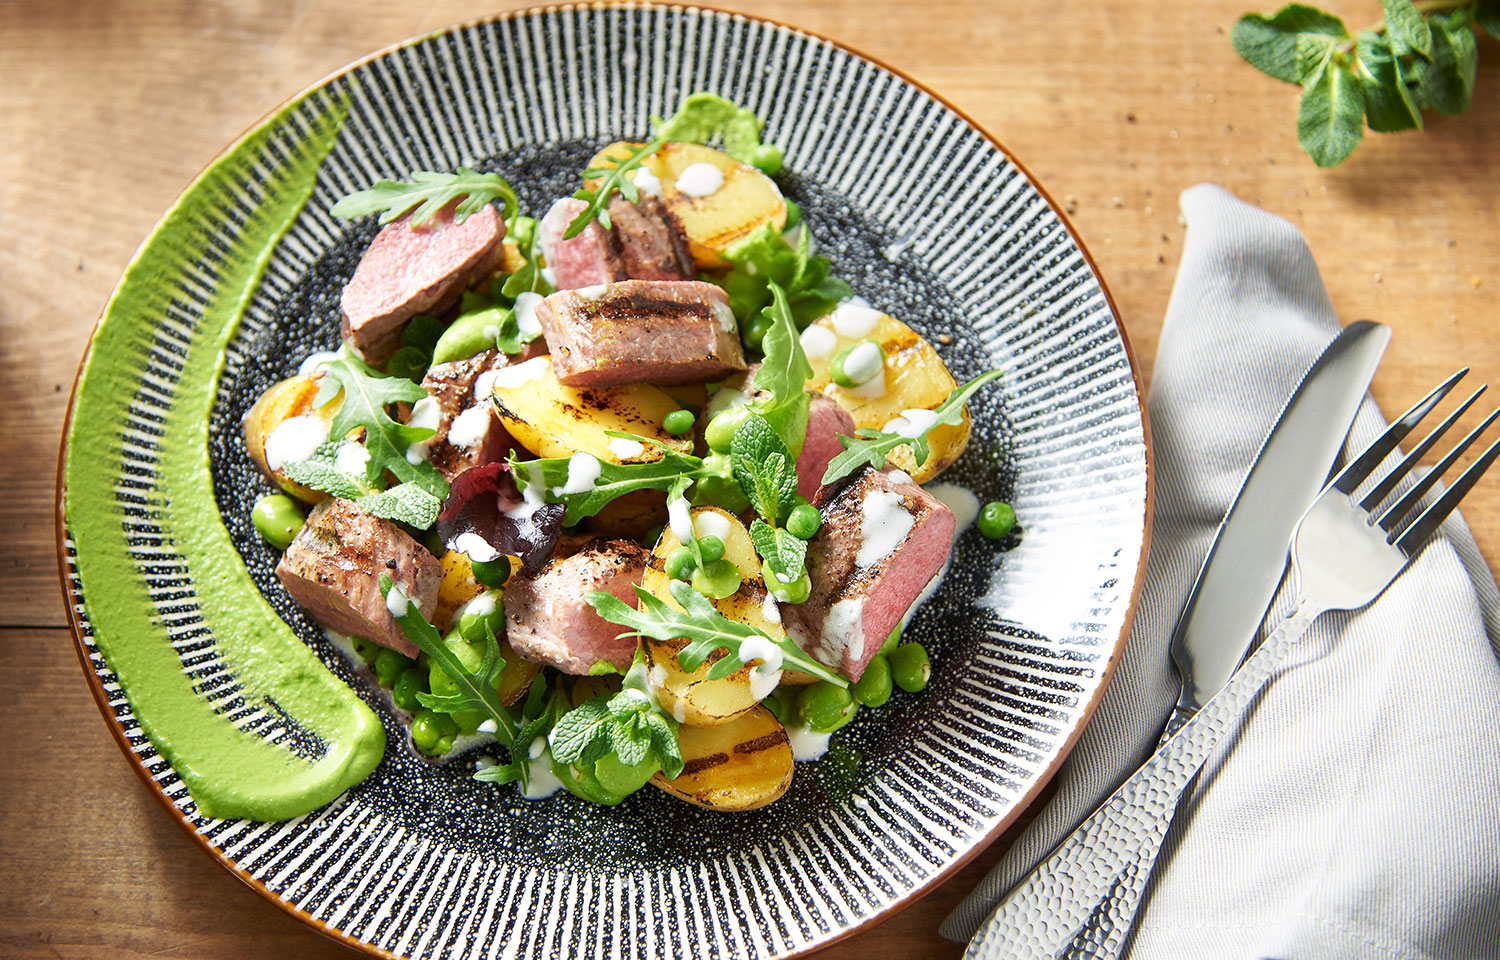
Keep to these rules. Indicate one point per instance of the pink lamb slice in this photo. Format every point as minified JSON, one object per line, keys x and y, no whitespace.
{"x":882,"y":540}
{"x":547,"y":620}
{"x":410,"y":270}
{"x":825,"y":421}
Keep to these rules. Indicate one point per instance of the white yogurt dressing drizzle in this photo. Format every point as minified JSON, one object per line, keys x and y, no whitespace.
{"x":700,"y":180}
{"x":352,"y":459}
{"x":518,"y":374}
{"x":884,"y":523}
{"x":819,"y":342}
{"x":590,"y":293}
{"x":843,"y":630}
{"x":315,"y":361}
{"x":710,"y":523}
{"x":864,"y":362}
{"x":767,"y":674}
{"x":481,"y":606}
{"x":526,"y":320}
{"x":532,"y":498}
{"x":912,"y":423}
{"x":476,"y":547}
{"x":679,"y":520}
{"x":396,"y":602}
{"x":541,"y":782}
{"x":427,"y":414}
{"x":294,"y":440}
{"x":854,"y":318}
{"x":625,"y":449}
{"x":965,"y":507}
{"x":583,"y":470}
{"x":646,"y":181}
{"x":469,"y":428}
{"x":806,"y":744}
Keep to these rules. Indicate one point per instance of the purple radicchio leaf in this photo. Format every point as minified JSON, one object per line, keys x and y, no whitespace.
{"x":486,"y":502}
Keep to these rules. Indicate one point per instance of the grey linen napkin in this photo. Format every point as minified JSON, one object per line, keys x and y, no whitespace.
{"x":1356,"y":812}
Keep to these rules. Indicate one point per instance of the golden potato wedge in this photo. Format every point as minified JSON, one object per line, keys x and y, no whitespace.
{"x":915,"y":378}
{"x":509,"y":256}
{"x":292,"y":397}
{"x":691,"y":697}
{"x":516,"y":675}
{"x":739,"y":765}
{"x":630,"y":517}
{"x":553,"y":420}
{"x":746,"y":199}
{"x":458,"y":586}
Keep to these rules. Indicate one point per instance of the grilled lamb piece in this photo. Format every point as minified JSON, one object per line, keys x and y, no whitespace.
{"x":882,"y":539}
{"x":825,"y":421}
{"x":644,"y":242}
{"x":468,"y":431}
{"x":548,"y":621}
{"x":333,"y":569}
{"x":641,"y":331}
{"x":410,"y":270}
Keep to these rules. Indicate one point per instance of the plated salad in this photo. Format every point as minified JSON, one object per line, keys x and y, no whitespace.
{"x":635,"y":488}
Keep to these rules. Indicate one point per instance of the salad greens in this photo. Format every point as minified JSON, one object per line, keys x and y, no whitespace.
{"x":1420,"y":55}
{"x":429,"y":192}
{"x":407,"y":503}
{"x":763,"y":261}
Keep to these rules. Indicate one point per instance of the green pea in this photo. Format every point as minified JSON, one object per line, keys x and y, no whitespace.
{"x":892,"y":640}
{"x":678,"y":422}
{"x":425,"y":730}
{"x":447,"y":724}
{"x":719,"y":433}
{"x":710,"y":548}
{"x":873,"y":688}
{"x":910,"y":667}
{"x":444,"y":745}
{"x":804,"y":521}
{"x":717,"y":486}
{"x":680,"y":564}
{"x":865,"y":355}
{"x":277,"y":518}
{"x":795,"y":592}
{"x":466,"y":336}
{"x":825,"y":706}
{"x":718,"y":579}
{"x":492,"y":573}
{"x":411,"y":682}
{"x":471,"y":624}
{"x":367,"y":650}
{"x":767,"y":158}
{"x":793,"y":214}
{"x":388,"y":666}
{"x":755,"y":331}
{"x":997,"y":520}
{"x":623,"y":779}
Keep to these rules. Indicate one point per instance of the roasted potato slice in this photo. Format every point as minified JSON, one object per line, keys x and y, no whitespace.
{"x":915,"y":378}
{"x":746,"y":199}
{"x":283,"y":401}
{"x":553,"y":420}
{"x":691,"y":697}
{"x":740,"y":765}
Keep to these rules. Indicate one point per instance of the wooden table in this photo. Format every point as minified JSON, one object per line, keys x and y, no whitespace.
{"x":110,"y":108}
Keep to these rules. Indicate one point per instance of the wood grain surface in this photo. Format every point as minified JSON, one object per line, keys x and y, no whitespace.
{"x":108,"y":109}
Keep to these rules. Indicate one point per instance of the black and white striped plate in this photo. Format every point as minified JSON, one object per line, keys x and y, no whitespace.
{"x":931,"y":221}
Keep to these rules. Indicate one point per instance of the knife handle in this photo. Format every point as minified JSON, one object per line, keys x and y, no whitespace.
{"x":1080,"y":902}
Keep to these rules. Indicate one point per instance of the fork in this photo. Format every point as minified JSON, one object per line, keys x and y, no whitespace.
{"x":1081,"y":901}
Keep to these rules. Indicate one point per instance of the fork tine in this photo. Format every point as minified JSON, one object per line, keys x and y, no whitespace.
{"x":1384,"y":487}
{"x":1355,"y":473}
{"x":1401,"y":508}
{"x":1417,"y":534}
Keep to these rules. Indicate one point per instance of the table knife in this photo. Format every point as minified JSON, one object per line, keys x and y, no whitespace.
{"x":1245,"y":563}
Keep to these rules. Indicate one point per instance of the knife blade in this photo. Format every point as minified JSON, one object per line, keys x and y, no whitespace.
{"x":1247,"y":559}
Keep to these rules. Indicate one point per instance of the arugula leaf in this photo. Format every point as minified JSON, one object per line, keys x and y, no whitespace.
{"x":615,"y":479}
{"x":406,"y":502}
{"x":874,"y":445}
{"x":529,"y":278}
{"x":366,"y":397}
{"x":707,"y":630}
{"x":429,"y":192}
{"x":784,"y":553}
{"x":1331,"y":114}
{"x":1269,"y":43}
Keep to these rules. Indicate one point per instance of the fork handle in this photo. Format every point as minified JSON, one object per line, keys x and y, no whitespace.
{"x":1081,"y":901}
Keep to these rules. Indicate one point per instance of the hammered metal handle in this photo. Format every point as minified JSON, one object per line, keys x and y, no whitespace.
{"x":1080,"y":901}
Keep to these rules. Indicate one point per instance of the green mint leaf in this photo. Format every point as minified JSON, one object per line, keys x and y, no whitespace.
{"x":1270,"y":43}
{"x":1389,"y":106}
{"x":699,"y":623}
{"x":1448,"y":86}
{"x":1487,"y":15}
{"x":631,"y":739}
{"x":764,"y":467}
{"x":664,"y":744}
{"x":785,"y":554}
{"x":1330,"y":117}
{"x":1404,"y":21}
{"x":870,"y":447}
{"x":406,"y":503}
{"x":367,"y":395}
{"x":429,"y":192}
{"x":320,"y":471}
{"x":580,"y":729}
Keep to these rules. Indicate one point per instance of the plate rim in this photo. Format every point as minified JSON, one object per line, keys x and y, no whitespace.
{"x":937,"y":879}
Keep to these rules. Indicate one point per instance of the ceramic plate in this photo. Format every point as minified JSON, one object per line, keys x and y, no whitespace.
{"x":929,"y":219}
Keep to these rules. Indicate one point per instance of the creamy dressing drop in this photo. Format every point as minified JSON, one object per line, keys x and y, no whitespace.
{"x":646,"y":181}
{"x":884,"y":523}
{"x":679,"y":520}
{"x":710,"y":523}
{"x":316,"y":360}
{"x":526,"y":320}
{"x":625,"y":449}
{"x":700,"y":179}
{"x":541,"y":781}
{"x":767,"y":674}
{"x":864,"y":362}
{"x":583,"y":470}
{"x":819,"y":342}
{"x":807,"y":744}
{"x":519,"y":374}
{"x":294,"y":440}
{"x":469,"y":428}
{"x":844,"y":630}
{"x":854,"y":319}
{"x":352,"y":459}
{"x":872,"y":389}
{"x":425,"y":413}
{"x":395,"y":602}
{"x":592,"y":292}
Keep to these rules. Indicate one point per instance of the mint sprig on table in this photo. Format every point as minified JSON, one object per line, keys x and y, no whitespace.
{"x":870,"y":447}
{"x":705,"y":629}
{"x":1420,"y":55}
{"x":429,"y":192}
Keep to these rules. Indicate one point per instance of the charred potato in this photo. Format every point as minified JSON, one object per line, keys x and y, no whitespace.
{"x":553,"y":420}
{"x":691,"y":697}
{"x":746,"y":199}
{"x":915,"y":378}
{"x":740,"y":765}
{"x":292,"y":397}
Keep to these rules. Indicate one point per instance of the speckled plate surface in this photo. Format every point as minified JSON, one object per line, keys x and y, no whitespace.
{"x":930,"y":220}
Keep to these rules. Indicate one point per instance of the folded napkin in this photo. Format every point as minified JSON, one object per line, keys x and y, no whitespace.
{"x":1356,"y":811}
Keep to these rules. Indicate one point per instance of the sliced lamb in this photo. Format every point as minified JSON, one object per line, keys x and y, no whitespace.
{"x":644,"y":242}
{"x":333,"y":569}
{"x":882,"y":539}
{"x":641,"y":331}
{"x":825,"y":421}
{"x":410,"y":270}
{"x":548,"y":621}
{"x":468,"y":431}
